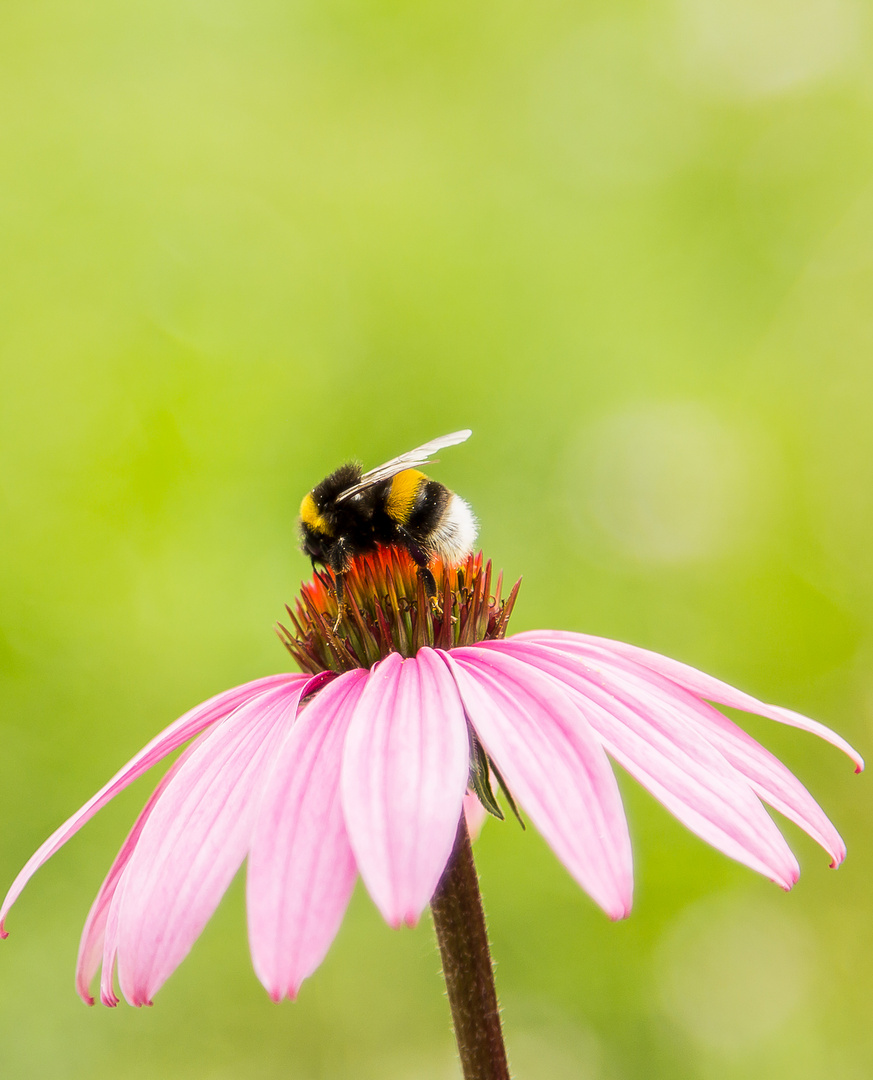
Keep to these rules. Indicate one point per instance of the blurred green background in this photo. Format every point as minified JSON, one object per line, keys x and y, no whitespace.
{"x":631,"y":246}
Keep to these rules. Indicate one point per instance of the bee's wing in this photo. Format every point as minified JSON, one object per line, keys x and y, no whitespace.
{"x":409,"y":460}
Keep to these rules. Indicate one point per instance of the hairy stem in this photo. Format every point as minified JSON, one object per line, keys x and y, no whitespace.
{"x":463,"y":940}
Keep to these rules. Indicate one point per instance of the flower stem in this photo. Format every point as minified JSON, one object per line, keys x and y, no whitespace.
{"x":463,"y":940}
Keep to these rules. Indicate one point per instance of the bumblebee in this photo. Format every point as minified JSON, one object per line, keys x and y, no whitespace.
{"x":395,"y":505}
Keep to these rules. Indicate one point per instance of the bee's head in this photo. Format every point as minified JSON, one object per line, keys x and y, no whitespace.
{"x":315,"y":530}
{"x":318,"y":511}
{"x":313,"y":544}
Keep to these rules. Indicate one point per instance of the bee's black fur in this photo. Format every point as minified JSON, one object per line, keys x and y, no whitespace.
{"x":358,"y":525}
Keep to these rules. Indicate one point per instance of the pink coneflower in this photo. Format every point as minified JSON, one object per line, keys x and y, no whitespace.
{"x":361,"y":765}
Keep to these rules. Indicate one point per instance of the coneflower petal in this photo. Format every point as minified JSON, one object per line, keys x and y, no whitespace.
{"x":301,"y":870}
{"x":91,"y":942}
{"x":771,"y":781}
{"x":659,"y":747}
{"x":194,"y":841}
{"x":698,"y":682}
{"x":404,"y":774}
{"x":171,"y":738}
{"x":554,"y":766}
{"x":474,"y":814}
{"x":110,"y":948}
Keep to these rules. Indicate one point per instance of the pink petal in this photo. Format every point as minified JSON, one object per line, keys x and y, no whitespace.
{"x":194,"y":841}
{"x":91,"y":942}
{"x":474,"y":814}
{"x":301,"y":870}
{"x":767,"y":776}
{"x":655,"y":741}
{"x":554,"y":766}
{"x":690,"y":678}
{"x":110,"y":949}
{"x":172,"y":737}
{"x":772,"y":781}
{"x":404,"y":772}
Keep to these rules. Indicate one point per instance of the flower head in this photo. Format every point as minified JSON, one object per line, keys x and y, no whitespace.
{"x":361,"y":766}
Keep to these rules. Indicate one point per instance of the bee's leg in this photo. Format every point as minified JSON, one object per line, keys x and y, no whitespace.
{"x":421,"y":560}
{"x":339,"y":564}
{"x":429,"y":583}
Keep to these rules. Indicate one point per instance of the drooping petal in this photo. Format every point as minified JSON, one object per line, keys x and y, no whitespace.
{"x":698,"y":682}
{"x":404,"y":774}
{"x":301,"y":870}
{"x":91,"y":942}
{"x":108,"y":996}
{"x":554,"y":767}
{"x":170,"y":739}
{"x":194,"y":841}
{"x":771,"y":781}
{"x":659,"y":746}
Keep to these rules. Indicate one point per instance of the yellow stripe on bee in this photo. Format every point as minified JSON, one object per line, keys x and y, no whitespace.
{"x":404,"y":488}
{"x":310,"y":516}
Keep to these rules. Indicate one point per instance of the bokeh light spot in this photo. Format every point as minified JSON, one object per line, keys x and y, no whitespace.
{"x":730,"y":972}
{"x":762,"y":48}
{"x":665,"y":483}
